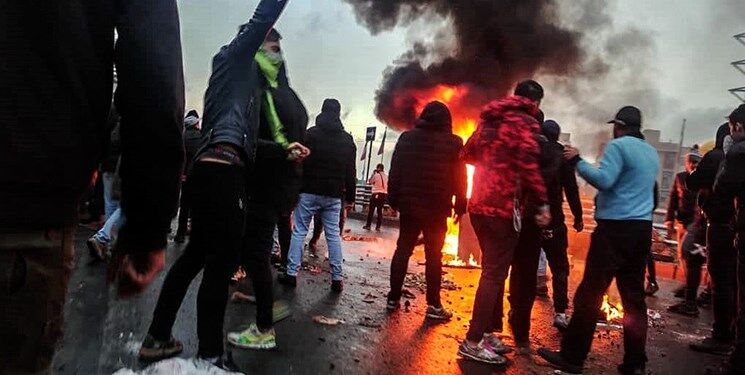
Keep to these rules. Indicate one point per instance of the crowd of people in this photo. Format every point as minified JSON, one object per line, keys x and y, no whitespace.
{"x":249,"y":167}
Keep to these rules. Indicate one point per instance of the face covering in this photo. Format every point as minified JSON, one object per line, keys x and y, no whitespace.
{"x":269,"y":64}
{"x":728,"y":142}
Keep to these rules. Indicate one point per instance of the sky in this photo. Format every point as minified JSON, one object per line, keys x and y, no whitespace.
{"x":329,"y":54}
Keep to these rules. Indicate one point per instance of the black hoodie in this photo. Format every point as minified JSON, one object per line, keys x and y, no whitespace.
{"x":426,"y":170}
{"x":330,"y":169}
{"x":717,"y":208}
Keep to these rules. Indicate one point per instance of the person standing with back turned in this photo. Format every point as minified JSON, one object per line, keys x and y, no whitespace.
{"x":379,"y":182}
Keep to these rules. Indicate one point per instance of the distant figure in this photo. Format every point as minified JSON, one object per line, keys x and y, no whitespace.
{"x":192,"y":142}
{"x":426,"y":175}
{"x":379,"y":182}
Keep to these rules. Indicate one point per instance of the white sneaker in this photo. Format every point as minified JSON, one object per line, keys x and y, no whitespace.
{"x":561,"y":321}
{"x":496,"y":344}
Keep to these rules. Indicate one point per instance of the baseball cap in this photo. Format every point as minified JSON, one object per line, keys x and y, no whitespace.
{"x":628,"y":116}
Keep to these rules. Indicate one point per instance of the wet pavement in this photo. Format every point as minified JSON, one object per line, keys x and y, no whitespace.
{"x":103,"y":333}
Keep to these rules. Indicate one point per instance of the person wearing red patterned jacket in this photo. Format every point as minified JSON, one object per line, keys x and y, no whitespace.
{"x":505,"y":152}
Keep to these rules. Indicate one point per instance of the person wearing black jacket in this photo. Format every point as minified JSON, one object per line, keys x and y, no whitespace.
{"x":329,"y":177}
{"x":274,"y":185}
{"x":56,"y":85}
{"x":426,"y":174}
{"x":721,"y":255}
{"x":192,"y":142}
{"x":554,"y":240}
{"x":730,"y":183}
{"x":218,"y":183}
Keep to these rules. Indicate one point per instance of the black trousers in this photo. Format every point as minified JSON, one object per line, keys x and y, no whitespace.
{"x":498,"y":240}
{"x":556,"y":254}
{"x":434,"y":229}
{"x":377,"y":201}
{"x":723,"y":270}
{"x":695,"y":234}
{"x":738,"y":356}
{"x":284,"y":234}
{"x":318,"y":226}
{"x":523,"y":281}
{"x":217,"y":228}
{"x":184,"y":209}
{"x":618,"y":249}
{"x":256,"y":259}
{"x":651,"y":269}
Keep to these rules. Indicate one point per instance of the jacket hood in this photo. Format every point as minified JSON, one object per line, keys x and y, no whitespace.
{"x":329,"y":119}
{"x":436,"y":116}
{"x":551,"y":130}
{"x":496,"y":109}
{"x":722,"y":132}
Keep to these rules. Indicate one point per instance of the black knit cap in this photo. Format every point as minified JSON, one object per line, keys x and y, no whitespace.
{"x":331,"y":106}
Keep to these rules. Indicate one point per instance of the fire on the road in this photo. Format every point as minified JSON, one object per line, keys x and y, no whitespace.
{"x":613,"y":312}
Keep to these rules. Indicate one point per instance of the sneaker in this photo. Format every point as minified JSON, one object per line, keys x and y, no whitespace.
{"x":366,"y":227}
{"x":392,"y":305}
{"x":630,"y":370}
{"x":253,"y":338}
{"x":337,"y":286}
{"x":481,"y":353}
{"x":555,"y":359}
{"x":496,"y":344}
{"x":712,"y":346}
{"x":287,"y":280}
{"x":154,"y":350}
{"x":438,"y":313}
{"x":704,"y":299}
{"x":97,"y":248}
{"x":684,"y":308}
{"x":651,"y":289}
{"x":561,"y":321}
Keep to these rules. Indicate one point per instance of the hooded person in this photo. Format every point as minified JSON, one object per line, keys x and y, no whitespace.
{"x":329,"y":181}
{"x":721,"y":255}
{"x":427,"y":184}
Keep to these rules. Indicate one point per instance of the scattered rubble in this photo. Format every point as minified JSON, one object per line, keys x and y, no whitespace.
{"x":419,"y":281}
{"x":369,"y":322}
{"x":327,"y":321}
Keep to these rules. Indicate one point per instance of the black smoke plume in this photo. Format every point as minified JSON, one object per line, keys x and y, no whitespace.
{"x":487,"y":46}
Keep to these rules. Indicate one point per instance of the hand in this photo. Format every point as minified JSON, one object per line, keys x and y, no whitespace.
{"x":132,"y":273}
{"x":543,"y":217}
{"x":570,"y":152}
{"x":579,"y":226}
{"x":297,"y":152}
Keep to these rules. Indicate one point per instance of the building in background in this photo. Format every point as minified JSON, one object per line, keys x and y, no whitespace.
{"x":670,"y":161}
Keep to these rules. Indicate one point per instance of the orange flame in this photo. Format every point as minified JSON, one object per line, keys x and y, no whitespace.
{"x":613,"y":312}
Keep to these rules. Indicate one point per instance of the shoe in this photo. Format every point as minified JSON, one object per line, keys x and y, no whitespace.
{"x":561,"y":321}
{"x":392,"y":305}
{"x":287,"y":280}
{"x":253,"y":338}
{"x":628,"y":370}
{"x":97,"y":248}
{"x":154,"y":350}
{"x":438,"y":313}
{"x":481,"y":353}
{"x":366,"y":227}
{"x":496,"y":344}
{"x":337,"y":286}
{"x":712,"y":346}
{"x":651,"y":289}
{"x":180,"y":238}
{"x":555,"y":358}
{"x":704,"y":299}
{"x":680,"y":292}
{"x":684,"y":308}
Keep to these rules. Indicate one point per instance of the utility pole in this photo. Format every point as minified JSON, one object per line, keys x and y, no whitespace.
{"x":680,"y":146}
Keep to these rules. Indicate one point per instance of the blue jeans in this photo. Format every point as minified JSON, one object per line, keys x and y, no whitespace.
{"x":328,"y":208}
{"x":110,"y":204}
{"x":114,"y":222}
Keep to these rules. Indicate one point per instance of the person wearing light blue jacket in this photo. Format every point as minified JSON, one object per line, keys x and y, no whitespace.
{"x":620,"y":245}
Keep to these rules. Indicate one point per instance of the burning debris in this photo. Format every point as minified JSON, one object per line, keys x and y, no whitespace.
{"x":611,"y":315}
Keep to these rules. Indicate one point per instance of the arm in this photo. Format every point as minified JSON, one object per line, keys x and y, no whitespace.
{"x":527,"y":152}
{"x":672,"y":202}
{"x":571,"y":190}
{"x":150,"y":99}
{"x":731,"y":179}
{"x":461,"y":186}
{"x":351,"y":174}
{"x":245,"y":44}
{"x":703,"y":176}
{"x":605,"y":176}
